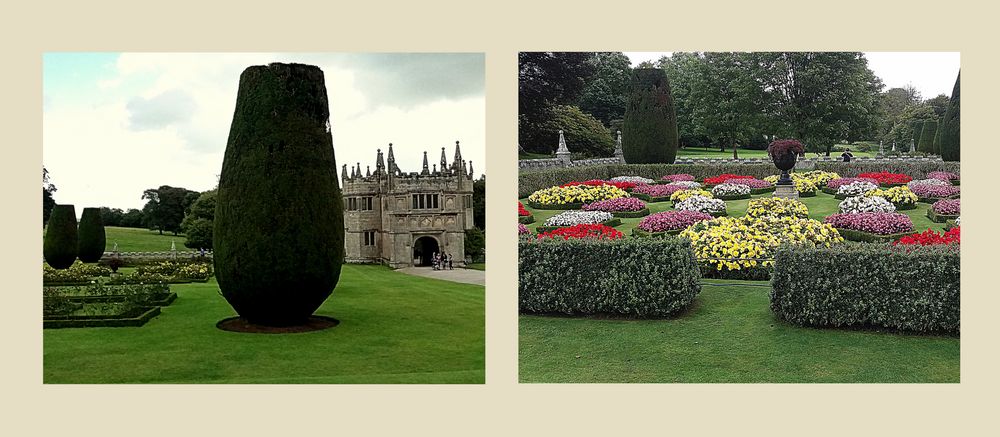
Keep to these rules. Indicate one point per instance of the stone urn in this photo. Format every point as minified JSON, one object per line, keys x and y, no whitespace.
{"x":785,"y":162}
{"x":784,"y":153}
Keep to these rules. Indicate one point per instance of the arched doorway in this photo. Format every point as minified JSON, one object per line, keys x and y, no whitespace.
{"x":424,"y":249}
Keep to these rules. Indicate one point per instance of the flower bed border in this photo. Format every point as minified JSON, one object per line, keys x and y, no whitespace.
{"x":764,"y":190}
{"x":831,"y":191}
{"x":905,"y":206}
{"x":534,"y":205}
{"x":163,"y":301}
{"x":650,"y":199}
{"x":868,"y":237}
{"x":64,"y":283}
{"x":935,"y":199}
{"x":891,"y":185}
{"x":639,"y":233}
{"x":630,"y":214}
{"x":810,"y":194}
{"x":526,"y":220}
{"x":939,"y":218}
{"x":612,"y":223}
{"x":146,"y":315}
{"x":736,"y":197}
{"x":949,"y":225}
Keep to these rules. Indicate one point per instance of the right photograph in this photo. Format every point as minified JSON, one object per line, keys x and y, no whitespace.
{"x":739,"y":217}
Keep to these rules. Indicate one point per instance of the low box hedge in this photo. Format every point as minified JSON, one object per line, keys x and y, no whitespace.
{"x":931,"y":200}
{"x":526,"y":220}
{"x":734,"y":197}
{"x":948,"y":225}
{"x":809,"y":194}
{"x":636,"y":232}
{"x":534,"y":205}
{"x":613,"y":222}
{"x":632,"y":277}
{"x":755,"y":191}
{"x":868,"y":237}
{"x":650,"y":199}
{"x":136,"y":317}
{"x":939,"y":218}
{"x":631,"y":214}
{"x":911,"y":288}
{"x":904,"y":206}
{"x":831,"y":191}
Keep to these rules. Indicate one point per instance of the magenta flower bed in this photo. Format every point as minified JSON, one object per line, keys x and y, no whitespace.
{"x":678,"y":177}
{"x":522,"y":229}
{"x":935,"y":191}
{"x":671,"y":220}
{"x":836,"y":183}
{"x":752,"y":183}
{"x":657,"y":190}
{"x":620,"y":204}
{"x":947,"y":207}
{"x":881,"y":223}
{"x":942,"y":175}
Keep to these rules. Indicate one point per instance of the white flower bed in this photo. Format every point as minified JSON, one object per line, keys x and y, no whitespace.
{"x":571,"y":218}
{"x":858,"y":204}
{"x":686,"y":184}
{"x":729,"y":190}
{"x":701,"y":204}
{"x":632,"y":179}
{"x":856,"y":188}
{"x":958,"y":221}
{"x":918,"y":182}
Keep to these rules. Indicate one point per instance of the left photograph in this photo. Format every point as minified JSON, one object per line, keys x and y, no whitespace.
{"x":263,"y":218}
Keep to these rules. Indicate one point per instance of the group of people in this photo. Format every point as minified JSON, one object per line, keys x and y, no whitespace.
{"x":442,"y":261}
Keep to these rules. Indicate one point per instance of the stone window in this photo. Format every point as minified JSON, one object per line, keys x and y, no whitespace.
{"x":425,"y":201}
{"x":369,"y":238}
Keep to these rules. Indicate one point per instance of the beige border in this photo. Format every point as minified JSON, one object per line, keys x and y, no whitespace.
{"x":501,"y":406}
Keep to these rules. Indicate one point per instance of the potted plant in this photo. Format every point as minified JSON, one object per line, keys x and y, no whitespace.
{"x":784,"y":153}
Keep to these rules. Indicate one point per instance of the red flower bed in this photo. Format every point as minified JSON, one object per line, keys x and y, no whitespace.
{"x":725,"y":177}
{"x":521,"y":212}
{"x":930,"y":237}
{"x":887,"y":178}
{"x":598,"y":182}
{"x":598,"y":231}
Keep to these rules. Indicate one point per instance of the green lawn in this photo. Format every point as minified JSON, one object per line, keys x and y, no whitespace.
{"x":819,"y":207}
{"x":394,"y":328}
{"x":729,"y":335}
{"x":141,"y":240}
{"x":477,"y":266}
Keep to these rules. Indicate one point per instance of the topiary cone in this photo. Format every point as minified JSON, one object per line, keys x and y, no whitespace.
{"x":278,"y":230}
{"x":60,"y":245}
{"x":92,"y":239}
{"x":649,"y":129}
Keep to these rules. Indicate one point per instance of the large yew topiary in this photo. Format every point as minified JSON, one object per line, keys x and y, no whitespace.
{"x":649,"y":130}
{"x":92,"y":239}
{"x":279,"y":226}
{"x":926,"y":143}
{"x":60,"y":245}
{"x":950,"y":136}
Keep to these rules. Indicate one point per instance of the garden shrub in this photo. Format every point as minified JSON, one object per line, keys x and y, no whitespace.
{"x":279,"y":247}
{"x":635,"y":277}
{"x":948,"y":139}
{"x":585,"y":135}
{"x":649,"y":130}
{"x":91,"y":237}
{"x":926,"y":143}
{"x":913,"y":288}
{"x":60,"y":245}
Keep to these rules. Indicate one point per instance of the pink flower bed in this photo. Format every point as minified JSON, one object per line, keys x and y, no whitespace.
{"x":947,"y":206}
{"x":657,"y":190}
{"x":752,"y":183}
{"x":881,"y":223}
{"x":619,"y":204}
{"x":935,"y":191}
{"x":522,"y":229}
{"x":836,"y":183}
{"x":671,"y":220}
{"x":678,"y":177}
{"x":942,"y":175}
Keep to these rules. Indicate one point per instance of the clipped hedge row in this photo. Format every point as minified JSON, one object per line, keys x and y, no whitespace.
{"x":912,"y":288}
{"x":648,"y":278}
{"x":915,"y":169}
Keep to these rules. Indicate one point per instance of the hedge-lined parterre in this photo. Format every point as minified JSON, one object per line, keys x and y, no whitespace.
{"x":556,"y":196}
{"x":777,"y":207}
{"x":702,"y":204}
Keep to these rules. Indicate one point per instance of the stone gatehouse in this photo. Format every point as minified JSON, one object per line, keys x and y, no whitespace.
{"x":402,"y":219}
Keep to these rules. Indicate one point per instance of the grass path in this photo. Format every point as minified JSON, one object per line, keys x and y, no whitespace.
{"x":393,"y":329}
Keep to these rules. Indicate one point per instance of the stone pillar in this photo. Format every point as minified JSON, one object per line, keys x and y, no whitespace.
{"x":881,"y":150}
{"x":619,"y":154}
{"x":562,"y":153}
{"x":912,"y":146}
{"x":786,"y":191}
{"x":893,"y":145}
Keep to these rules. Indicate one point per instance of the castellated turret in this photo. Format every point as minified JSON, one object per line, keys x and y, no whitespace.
{"x":403,"y":219}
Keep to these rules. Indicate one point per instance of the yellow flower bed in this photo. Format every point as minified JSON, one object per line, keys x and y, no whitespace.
{"x":681,"y":195}
{"x":807,"y":182}
{"x":777,"y":207}
{"x":899,"y":196}
{"x":728,"y":243}
{"x":576,"y":194}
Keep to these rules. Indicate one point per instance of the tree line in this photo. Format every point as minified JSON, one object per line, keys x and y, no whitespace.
{"x":727,"y":100}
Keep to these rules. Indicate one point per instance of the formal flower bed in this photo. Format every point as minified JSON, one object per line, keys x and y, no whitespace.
{"x":571,"y":218}
{"x":715,"y":180}
{"x":837,"y":183}
{"x":174,"y":271}
{"x":671,"y":221}
{"x":805,"y":185}
{"x":858,"y":204}
{"x":703,"y":204}
{"x":929,"y":238}
{"x":658,"y":192}
{"x":857,"y":188}
{"x":947,"y":207}
{"x":598,"y":182}
{"x":729,"y":191}
{"x":595,"y":231}
{"x":574,"y":196}
{"x":686,"y":184}
{"x":878,"y":223}
{"x":902,"y":197}
{"x":684,"y":194}
{"x":522,"y":229}
{"x":638,"y":180}
{"x":943,"y":175}
{"x":777,"y":207}
{"x":934,"y":182}
{"x":76,"y":273}
{"x":931,"y":192}
{"x":523,"y":215}
{"x":677,"y":177}
{"x":619,"y":207}
{"x":886,"y":178}
{"x":728,"y":244}
{"x":753,"y":183}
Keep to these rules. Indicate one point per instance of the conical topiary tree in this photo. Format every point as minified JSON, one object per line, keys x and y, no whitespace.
{"x":60,"y":245}
{"x":649,"y":130}
{"x":278,"y":231}
{"x":916,"y":127}
{"x":926,"y":143}
{"x":92,"y":239}
{"x":950,"y":137}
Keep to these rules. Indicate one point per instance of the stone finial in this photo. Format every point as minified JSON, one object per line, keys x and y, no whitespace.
{"x":562,"y":153}
{"x":434,"y":168}
{"x":343,"y":173}
{"x":368,"y":171}
{"x":359,"y":169}
{"x":426,"y":170}
{"x":470,"y":168}
{"x":619,"y":153}
{"x":893,"y":145}
{"x":881,"y":149}
{"x":913,"y":148}
{"x":444,"y":161}
{"x":379,"y":163}
{"x":458,"y":156}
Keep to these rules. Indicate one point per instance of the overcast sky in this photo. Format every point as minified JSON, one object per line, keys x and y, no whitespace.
{"x":932,"y":73}
{"x":115,"y":124}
